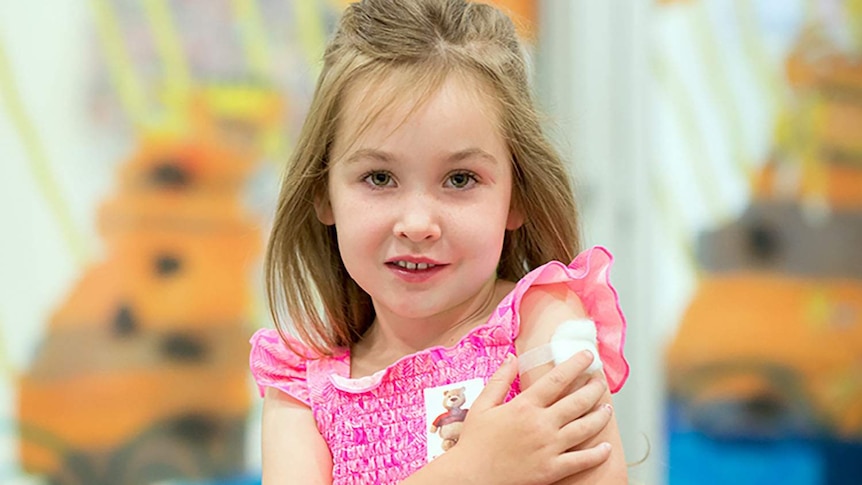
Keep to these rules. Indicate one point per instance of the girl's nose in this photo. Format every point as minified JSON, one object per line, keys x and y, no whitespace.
{"x":418,"y":221}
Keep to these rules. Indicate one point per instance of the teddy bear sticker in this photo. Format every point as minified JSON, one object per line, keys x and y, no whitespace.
{"x":446,"y":409}
{"x":449,"y":424}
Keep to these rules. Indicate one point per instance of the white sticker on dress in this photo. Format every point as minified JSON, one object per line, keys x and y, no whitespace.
{"x":445,"y":410}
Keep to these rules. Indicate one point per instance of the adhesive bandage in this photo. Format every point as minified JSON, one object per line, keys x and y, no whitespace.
{"x":571,"y":337}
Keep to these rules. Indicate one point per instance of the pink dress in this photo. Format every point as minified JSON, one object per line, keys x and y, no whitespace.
{"x":376,"y":426}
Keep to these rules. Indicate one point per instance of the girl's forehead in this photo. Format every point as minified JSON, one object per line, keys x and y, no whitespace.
{"x":387,"y":103}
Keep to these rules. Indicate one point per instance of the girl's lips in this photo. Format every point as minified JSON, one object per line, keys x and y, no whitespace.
{"x":414,"y":260}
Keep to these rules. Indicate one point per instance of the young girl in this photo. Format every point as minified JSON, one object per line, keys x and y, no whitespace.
{"x":417,"y":246}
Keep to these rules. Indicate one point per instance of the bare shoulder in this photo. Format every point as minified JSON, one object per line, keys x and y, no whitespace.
{"x":542,"y":309}
{"x":292,"y":448}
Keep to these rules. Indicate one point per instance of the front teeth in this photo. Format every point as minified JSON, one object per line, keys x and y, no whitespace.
{"x":413,"y":266}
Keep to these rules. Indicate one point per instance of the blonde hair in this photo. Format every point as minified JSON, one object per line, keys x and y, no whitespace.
{"x":426,"y":40}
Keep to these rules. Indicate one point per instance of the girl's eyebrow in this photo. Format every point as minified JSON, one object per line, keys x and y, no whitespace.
{"x":386,"y":157}
{"x":377,"y":155}
{"x":474,"y":152}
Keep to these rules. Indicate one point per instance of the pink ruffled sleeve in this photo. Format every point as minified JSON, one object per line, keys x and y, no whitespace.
{"x":588,"y":276}
{"x":274,"y":364}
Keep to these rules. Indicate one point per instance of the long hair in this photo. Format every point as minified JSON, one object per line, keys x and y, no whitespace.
{"x":413,"y":45}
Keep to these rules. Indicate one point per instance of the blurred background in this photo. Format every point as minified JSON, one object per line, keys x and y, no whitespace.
{"x":717,"y":151}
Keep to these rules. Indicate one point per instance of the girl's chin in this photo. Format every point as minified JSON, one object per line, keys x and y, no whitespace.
{"x":418,"y":309}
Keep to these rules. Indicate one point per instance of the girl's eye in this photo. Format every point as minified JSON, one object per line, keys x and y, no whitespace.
{"x":459,"y":180}
{"x":379,"y":179}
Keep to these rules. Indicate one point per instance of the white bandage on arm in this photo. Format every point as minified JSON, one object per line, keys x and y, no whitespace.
{"x":571,"y":337}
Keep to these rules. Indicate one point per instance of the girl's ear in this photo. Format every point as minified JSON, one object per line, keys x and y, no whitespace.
{"x":516,"y":217}
{"x":323,"y":209}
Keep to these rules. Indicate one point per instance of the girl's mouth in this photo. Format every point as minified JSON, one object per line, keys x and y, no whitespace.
{"x":412,"y":272}
{"x":413,"y":266}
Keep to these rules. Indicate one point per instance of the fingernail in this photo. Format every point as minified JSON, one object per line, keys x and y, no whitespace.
{"x":605,"y":446}
{"x":509,"y":358}
{"x":607,"y":407}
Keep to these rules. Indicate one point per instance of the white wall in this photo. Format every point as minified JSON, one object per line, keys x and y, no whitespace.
{"x":42,"y":82}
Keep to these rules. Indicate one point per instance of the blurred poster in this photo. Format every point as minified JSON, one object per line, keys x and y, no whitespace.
{"x":764,"y":370}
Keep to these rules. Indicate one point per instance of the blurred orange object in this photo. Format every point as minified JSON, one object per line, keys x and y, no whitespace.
{"x":142,"y":374}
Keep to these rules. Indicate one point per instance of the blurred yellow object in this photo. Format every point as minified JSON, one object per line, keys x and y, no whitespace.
{"x":821,"y":130}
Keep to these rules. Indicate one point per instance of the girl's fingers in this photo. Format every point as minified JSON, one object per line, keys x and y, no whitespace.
{"x":579,"y":402}
{"x":548,"y":388}
{"x":498,"y":386}
{"x":586,"y":427}
{"x":581,"y":460}
{"x":573,"y":462}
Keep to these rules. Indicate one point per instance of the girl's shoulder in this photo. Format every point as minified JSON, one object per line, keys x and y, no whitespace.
{"x":586,"y":282}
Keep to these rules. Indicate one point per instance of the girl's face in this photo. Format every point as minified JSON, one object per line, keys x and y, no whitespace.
{"x":421,"y":204}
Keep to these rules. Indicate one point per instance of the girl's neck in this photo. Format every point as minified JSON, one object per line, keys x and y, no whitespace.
{"x":390,"y":338}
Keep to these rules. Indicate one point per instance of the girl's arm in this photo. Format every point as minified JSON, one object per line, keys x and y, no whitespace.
{"x":542,"y":309}
{"x":525,"y":441}
{"x":293,"y":451}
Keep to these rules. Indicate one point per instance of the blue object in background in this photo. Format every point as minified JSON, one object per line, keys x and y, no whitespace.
{"x":696,"y":457}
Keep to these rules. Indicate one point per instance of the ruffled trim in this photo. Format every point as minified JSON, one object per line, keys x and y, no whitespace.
{"x":588,"y":276}
{"x":274,"y":364}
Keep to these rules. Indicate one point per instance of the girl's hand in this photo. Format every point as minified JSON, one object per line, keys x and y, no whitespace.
{"x":532,"y":439}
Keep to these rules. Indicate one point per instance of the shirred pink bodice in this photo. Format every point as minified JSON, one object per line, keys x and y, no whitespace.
{"x":375,"y":426}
